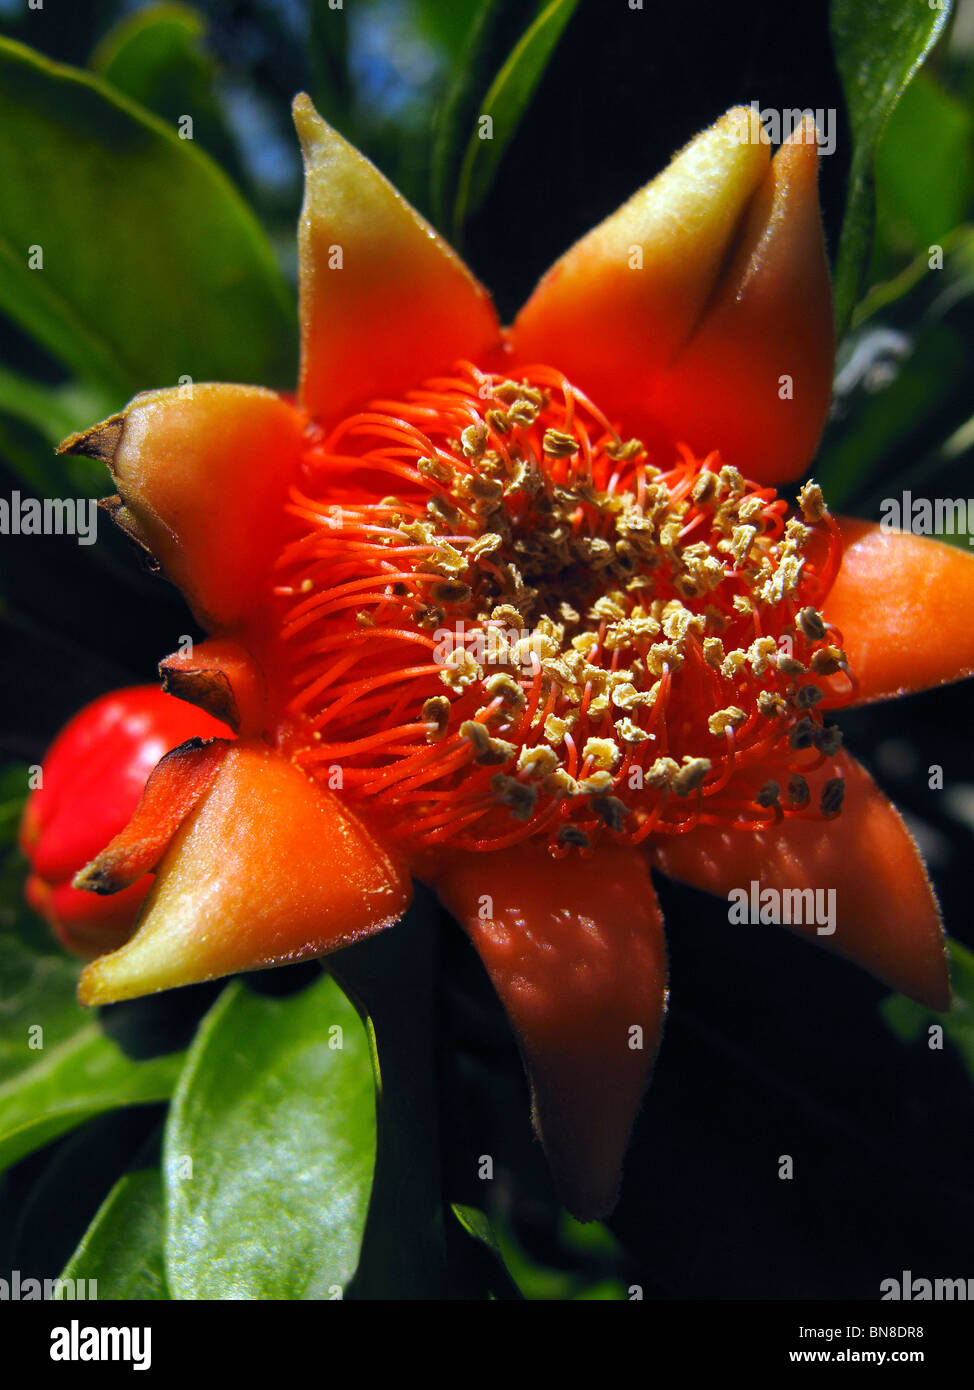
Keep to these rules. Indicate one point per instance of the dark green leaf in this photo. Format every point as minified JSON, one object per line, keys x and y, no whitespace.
{"x":390,"y":978}
{"x":446,"y":23}
{"x":13,"y":793}
{"x":329,"y":61}
{"x":54,"y":411}
{"x":150,"y":50}
{"x":457,"y":110}
{"x":910,"y":1020}
{"x":49,"y":1199}
{"x":475,"y":1223}
{"x":155,"y":57}
{"x":878,"y":47}
{"x":33,"y":419}
{"x":753,"y":1068}
{"x":505,"y":104}
{"x":153,"y":266}
{"x":589,"y":1252}
{"x":123,"y":1247}
{"x":270,"y":1148}
{"x":904,"y":380}
{"x":477,"y":1264}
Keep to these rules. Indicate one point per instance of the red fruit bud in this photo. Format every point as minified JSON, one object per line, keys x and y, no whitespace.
{"x":90,"y":784}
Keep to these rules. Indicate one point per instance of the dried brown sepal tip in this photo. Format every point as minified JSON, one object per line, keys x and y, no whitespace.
{"x":100,"y":442}
{"x":125,"y":520}
{"x":209,"y":690}
{"x":221,"y":677}
{"x":175,"y":785}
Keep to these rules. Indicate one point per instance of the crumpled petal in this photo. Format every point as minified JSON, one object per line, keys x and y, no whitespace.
{"x":904,"y":606}
{"x":385,"y":302}
{"x":266,"y":869}
{"x":202,"y":472}
{"x":887,"y":919}
{"x":616,"y":309}
{"x":576,"y":953}
{"x":693,"y":342}
{"x":755,"y":378}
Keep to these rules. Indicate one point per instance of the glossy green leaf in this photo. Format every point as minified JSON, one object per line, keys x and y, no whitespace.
{"x":924,"y":174}
{"x":270,"y":1148}
{"x":122,"y":1250}
{"x":83,"y":1076}
{"x":878,"y":47}
{"x":58,"y":1067}
{"x":147,"y":264}
{"x":505,"y":104}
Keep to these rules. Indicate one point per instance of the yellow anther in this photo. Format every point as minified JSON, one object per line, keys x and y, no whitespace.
{"x":827,"y":660}
{"x":537,"y":762}
{"x":604,"y":753}
{"x":436,"y":711}
{"x":812,"y":503}
{"x":557,"y":444}
{"x":723,"y":719}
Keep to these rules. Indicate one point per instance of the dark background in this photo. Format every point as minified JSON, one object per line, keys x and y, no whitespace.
{"x":771,"y":1048}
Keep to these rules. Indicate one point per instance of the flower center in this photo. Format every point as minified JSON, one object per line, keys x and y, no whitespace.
{"x":503,"y":620}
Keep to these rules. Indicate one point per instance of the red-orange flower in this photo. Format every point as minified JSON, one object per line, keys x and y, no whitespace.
{"x":520,"y":613}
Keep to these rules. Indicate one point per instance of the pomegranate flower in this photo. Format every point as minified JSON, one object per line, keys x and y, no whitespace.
{"x":519,"y":613}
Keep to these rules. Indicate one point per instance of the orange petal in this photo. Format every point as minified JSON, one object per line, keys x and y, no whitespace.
{"x":903,"y":605}
{"x":175,"y":785}
{"x":202,"y":472}
{"x":886,"y":916}
{"x":623,"y":301}
{"x":755,"y":378}
{"x":221,"y":677}
{"x":267,"y":869}
{"x":385,"y":302}
{"x":576,"y":952}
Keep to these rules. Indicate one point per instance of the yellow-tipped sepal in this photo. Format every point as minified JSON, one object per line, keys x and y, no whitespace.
{"x":267,"y":869}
